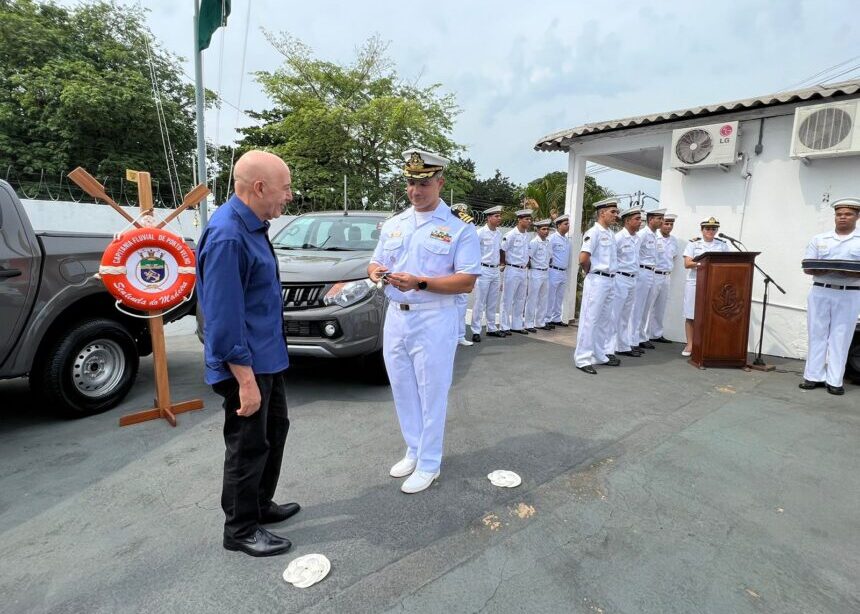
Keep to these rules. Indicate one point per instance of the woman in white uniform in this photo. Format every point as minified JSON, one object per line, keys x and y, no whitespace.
{"x":706,"y":243}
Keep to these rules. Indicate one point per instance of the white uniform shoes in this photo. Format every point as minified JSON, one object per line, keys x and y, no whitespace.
{"x":464,"y":341}
{"x":418,"y":481}
{"x":405,"y":466}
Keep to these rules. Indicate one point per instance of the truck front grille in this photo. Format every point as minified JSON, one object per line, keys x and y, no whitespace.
{"x":298,"y":296}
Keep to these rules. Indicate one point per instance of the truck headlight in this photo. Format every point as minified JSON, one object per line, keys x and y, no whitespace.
{"x":348,"y":293}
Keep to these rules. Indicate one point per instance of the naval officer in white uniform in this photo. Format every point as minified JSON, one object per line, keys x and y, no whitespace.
{"x":515,"y":248}
{"x":708,"y":242}
{"x":667,"y":252}
{"x":645,"y":283}
{"x":426,"y":255}
{"x":487,"y":287}
{"x":833,"y":305}
{"x":538,"y":278}
{"x":461,"y":210}
{"x":598,"y":260}
{"x":559,"y":245}
{"x":627,"y":240}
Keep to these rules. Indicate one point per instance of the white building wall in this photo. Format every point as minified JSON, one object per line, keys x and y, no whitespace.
{"x":775,"y":210}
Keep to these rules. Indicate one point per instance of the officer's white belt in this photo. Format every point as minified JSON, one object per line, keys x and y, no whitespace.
{"x":421,"y":306}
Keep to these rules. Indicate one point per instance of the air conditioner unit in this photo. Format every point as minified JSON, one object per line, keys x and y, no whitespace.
{"x":705,"y":146}
{"x":825,"y":130}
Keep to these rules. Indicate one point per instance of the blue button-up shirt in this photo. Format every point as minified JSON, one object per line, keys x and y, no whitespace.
{"x":239,"y":290}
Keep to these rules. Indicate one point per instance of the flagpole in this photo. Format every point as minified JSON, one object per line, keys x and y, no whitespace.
{"x":199,"y":95}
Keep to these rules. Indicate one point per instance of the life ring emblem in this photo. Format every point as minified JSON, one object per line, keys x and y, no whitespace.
{"x":148,"y":269}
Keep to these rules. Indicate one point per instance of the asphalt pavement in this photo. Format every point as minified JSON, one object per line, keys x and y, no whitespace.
{"x":651,"y":487}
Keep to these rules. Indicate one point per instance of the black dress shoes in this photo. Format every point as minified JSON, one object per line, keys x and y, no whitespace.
{"x":837,"y":390}
{"x":279,"y":513}
{"x":261,"y":543}
{"x":519,"y":332}
{"x":494,"y":333}
{"x":661,"y":339}
{"x":546,"y":327}
{"x":563,"y":324}
{"x":532,"y":329}
{"x":612,"y":362}
{"x":810,"y":385}
{"x":647,"y":345}
{"x":476,"y":338}
{"x":588,"y":369}
{"x":630,"y":353}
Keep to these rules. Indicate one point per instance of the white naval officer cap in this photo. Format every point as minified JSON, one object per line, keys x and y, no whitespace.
{"x":654,"y":212}
{"x":606,"y":202}
{"x":524,"y":213}
{"x":670,"y":217}
{"x":851,"y":203}
{"x":543,"y":224}
{"x":630,"y":211}
{"x":422,"y":164}
{"x":562,"y":218}
{"x":709,"y":222}
{"x":493,"y":210}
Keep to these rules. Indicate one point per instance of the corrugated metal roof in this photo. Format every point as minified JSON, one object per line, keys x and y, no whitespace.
{"x":556,"y":141}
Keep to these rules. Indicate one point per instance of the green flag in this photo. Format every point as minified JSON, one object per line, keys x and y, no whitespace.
{"x":213,"y":15}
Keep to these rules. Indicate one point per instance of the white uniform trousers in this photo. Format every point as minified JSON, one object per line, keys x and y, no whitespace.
{"x":594,"y":320}
{"x":555,"y":298}
{"x":462,"y":302}
{"x":642,"y":305}
{"x":513,"y":298}
{"x":418,"y":347}
{"x":536,"y":302}
{"x":486,"y":299}
{"x":622,"y":306}
{"x":830,"y":319}
{"x":661,"y":297}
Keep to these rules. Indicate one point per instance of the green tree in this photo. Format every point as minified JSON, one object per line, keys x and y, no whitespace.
{"x":329,"y":120}
{"x":496,"y":190}
{"x":76,"y":90}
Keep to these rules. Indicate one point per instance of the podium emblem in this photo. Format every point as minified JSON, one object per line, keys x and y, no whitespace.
{"x":727,"y":302}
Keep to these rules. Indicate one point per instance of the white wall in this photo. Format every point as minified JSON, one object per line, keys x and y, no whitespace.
{"x":776,"y":211}
{"x":89,"y":217}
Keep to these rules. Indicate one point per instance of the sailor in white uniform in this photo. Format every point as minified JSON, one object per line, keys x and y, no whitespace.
{"x":487,"y":287}
{"x":627,"y":250}
{"x":538,"y":278}
{"x":559,"y":263}
{"x":598,"y":259}
{"x":833,"y":305}
{"x":461,"y":210}
{"x":515,"y":248}
{"x":426,"y":255}
{"x":667,"y":253}
{"x":706,"y":243}
{"x":645,"y":286}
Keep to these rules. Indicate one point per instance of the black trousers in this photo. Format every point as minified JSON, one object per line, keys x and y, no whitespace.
{"x":254,"y":451}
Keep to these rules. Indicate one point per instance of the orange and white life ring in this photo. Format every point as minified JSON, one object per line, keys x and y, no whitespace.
{"x":148,"y":269}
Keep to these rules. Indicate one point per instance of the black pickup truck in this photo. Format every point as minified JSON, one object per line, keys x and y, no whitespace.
{"x":58,"y":324}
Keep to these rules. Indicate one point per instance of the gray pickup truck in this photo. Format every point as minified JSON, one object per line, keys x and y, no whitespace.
{"x":58,"y":324}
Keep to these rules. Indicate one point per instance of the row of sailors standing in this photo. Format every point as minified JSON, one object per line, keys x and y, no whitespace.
{"x":535,"y":276}
{"x":626,"y":285}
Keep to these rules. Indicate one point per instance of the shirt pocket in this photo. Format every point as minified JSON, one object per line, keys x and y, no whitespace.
{"x":437,"y":260}
{"x":391,"y":250}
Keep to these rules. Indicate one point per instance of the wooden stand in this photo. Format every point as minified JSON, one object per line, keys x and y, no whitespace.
{"x":164,"y":408}
{"x":722,"y":319}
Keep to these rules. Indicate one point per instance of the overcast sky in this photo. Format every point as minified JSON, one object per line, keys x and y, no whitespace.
{"x":520,"y":70}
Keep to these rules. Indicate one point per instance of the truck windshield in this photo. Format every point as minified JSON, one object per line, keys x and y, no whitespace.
{"x":329,"y":232}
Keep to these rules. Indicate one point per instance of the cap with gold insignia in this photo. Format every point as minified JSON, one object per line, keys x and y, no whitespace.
{"x":422,"y":164}
{"x":543,"y":223}
{"x":562,"y":218}
{"x":606,"y":202}
{"x":524,"y":213}
{"x":493,"y":210}
{"x":654,"y":212}
{"x":670,"y":217}
{"x":709,"y":222}
{"x":630,"y":211}
{"x":851,"y":203}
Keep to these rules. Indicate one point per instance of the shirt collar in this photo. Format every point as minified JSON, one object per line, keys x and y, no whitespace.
{"x":250,"y":220}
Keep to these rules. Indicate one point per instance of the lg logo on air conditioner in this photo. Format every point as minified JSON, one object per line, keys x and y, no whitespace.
{"x":726,"y":133}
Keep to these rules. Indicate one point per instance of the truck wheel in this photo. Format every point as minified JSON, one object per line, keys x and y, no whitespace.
{"x":852,"y":365}
{"x":374,"y":368}
{"x":89,"y":369}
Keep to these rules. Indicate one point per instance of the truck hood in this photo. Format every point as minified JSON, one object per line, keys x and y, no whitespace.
{"x":306,"y":265}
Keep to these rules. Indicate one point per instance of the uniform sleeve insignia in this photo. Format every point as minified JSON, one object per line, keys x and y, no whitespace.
{"x":586,"y":238}
{"x":395,"y":233}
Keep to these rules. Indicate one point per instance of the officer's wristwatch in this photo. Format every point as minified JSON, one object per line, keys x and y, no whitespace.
{"x":422,"y":284}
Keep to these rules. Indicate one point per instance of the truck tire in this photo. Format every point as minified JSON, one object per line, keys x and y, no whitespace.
{"x":88,"y":369}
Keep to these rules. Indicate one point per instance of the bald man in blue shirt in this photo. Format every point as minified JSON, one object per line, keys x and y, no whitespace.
{"x":245,"y":350}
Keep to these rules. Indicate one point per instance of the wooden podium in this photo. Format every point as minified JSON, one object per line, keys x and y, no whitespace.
{"x":722,"y":320}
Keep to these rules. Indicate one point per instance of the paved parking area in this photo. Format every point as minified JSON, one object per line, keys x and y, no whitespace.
{"x":652,"y":487}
